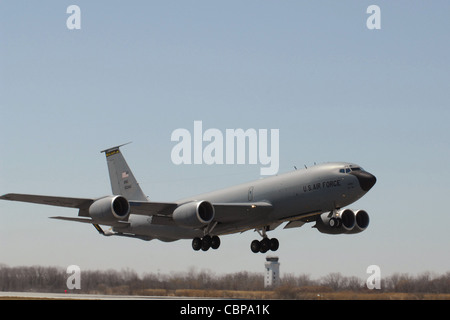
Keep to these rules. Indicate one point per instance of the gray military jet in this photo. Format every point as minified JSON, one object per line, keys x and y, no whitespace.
{"x":315,"y":194}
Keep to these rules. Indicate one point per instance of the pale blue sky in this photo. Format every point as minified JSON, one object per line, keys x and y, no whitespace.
{"x":138,"y":70}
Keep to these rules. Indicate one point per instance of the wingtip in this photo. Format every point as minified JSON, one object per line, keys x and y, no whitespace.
{"x":5,"y":196}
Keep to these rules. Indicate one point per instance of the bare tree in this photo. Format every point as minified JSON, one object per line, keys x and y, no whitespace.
{"x":127,"y":281}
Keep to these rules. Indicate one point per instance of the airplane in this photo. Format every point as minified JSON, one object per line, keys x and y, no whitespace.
{"x":314,"y":194}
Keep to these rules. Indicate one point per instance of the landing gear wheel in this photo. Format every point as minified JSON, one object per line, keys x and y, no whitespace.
{"x":265,"y":245}
{"x":333,"y":222}
{"x":274,"y":244}
{"x":196,"y":243}
{"x":206,"y":243}
{"x":215,"y":242}
{"x":255,"y":246}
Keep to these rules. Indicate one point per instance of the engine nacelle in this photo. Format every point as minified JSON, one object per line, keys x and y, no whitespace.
{"x":362,"y":221}
{"x":194,"y":214}
{"x":342,"y":221}
{"x":110,"y":209}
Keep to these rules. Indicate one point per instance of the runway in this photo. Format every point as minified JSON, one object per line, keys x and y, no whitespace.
{"x":75,"y":296}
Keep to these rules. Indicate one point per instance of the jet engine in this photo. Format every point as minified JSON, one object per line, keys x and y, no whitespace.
{"x":362,"y":221}
{"x":194,"y":214}
{"x":342,"y":221}
{"x":110,"y":209}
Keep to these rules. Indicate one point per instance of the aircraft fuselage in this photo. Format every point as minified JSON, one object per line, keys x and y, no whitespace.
{"x":313,"y":190}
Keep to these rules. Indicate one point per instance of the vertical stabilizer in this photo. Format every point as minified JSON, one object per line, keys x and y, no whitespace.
{"x":122,"y":179}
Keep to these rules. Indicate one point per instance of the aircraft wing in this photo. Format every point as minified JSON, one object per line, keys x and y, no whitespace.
{"x":136,"y":207}
{"x":80,"y":203}
{"x":224,"y":212}
{"x":232,"y":212}
{"x":302,"y":219}
{"x":145,"y":208}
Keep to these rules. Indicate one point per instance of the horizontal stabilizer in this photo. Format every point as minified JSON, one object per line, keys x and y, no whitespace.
{"x":84,"y":220}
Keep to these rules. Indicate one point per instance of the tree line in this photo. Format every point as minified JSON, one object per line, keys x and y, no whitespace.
{"x":127,"y":281}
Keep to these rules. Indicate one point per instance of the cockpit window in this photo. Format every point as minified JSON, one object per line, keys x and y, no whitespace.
{"x":347,"y":169}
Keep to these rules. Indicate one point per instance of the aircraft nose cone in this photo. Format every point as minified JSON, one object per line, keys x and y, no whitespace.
{"x":367,"y":181}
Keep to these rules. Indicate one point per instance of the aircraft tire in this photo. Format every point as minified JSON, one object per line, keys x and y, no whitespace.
{"x":215,"y":242}
{"x":206,"y":243}
{"x":265,"y":245}
{"x":196,"y":243}
{"x":255,"y":246}
{"x":274,"y":244}
{"x":333,"y":222}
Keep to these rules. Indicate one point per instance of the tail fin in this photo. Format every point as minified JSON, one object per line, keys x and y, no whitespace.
{"x":122,"y":179}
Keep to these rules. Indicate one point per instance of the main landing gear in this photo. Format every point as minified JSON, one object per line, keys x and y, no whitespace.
{"x":265,"y":244}
{"x":205,"y":243}
{"x":256,"y":246}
